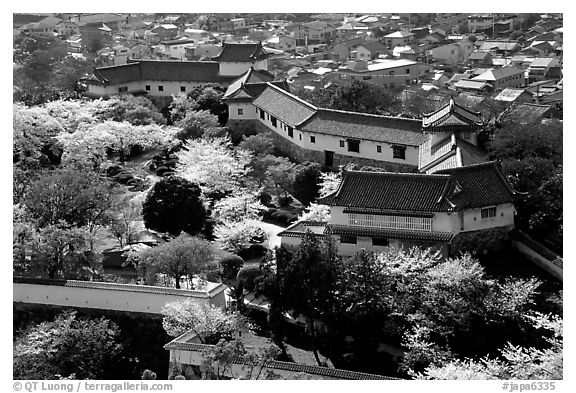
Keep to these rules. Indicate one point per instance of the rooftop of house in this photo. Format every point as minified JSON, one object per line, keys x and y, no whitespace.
{"x":362,"y":126}
{"x":354,"y":42}
{"x":381,"y":64}
{"x":509,"y":94}
{"x":499,"y":45}
{"x":98,"y":18}
{"x":525,"y":113}
{"x":479,"y":55}
{"x":160,"y":70}
{"x":470,"y":186}
{"x":452,"y":116}
{"x":298,"y":228}
{"x":470,"y":84}
{"x":399,"y":34}
{"x":317,"y":25}
{"x":374,"y":46}
{"x":544,"y":62}
{"x":242,"y":53}
{"x":48,"y":22}
{"x":498,"y":73}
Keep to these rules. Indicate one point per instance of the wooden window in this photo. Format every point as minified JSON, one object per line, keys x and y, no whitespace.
{"x":312,"y":139}
{"x":488,"y":212}
{"x":261,"y":114}
{"x":123,"y":89}
{"x":366,"y":77}
{"x":147,"y":87}
{"x":300,"y":136}
{"x":274,"y":121}
{"x":378,"y":149}
{"x":160,"y":88}
{"x":182,"y":88}
{"x":348,"y":239}
{"x":354,"y":145}
{"x":290,"y":132}
{"x":341,"y":143}
{"x":399,"y":152}
{"x":240,"y":112}
{"x":390,"y":222}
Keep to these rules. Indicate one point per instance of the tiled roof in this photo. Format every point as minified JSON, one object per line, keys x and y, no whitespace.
{"x":300,"y":227}
{"x":525,"y":113}
{"x":452,"y":116}
{"x":364,"y":126}
{"x":498,"y":73}
{"x":250,"y":76}
{"x":509,"y":94}
{"x":399,"y":34}
{"x":470,"y":84}
{"x":482,"y":185}
{"x":390,"y":233}
{"x":161,"y":70}
{"x":375,"y":46}
{"x":391,"y":191}
{"x":284,"y":106}
{"x":99,"y":18}
{"x":241,"y":53}
{"x":479,"y":55}
{"x":451,"y":152}
{"x":354,"y":42}
{"x":317,"y":25}
{"x":500,"y":45}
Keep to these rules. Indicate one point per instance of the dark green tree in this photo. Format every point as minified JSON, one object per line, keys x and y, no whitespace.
{"x":307,"y":180}
{"x":173,"y":205}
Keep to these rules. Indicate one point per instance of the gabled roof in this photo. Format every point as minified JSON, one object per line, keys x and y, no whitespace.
{"x":525,"y":113}
{"x":399,"y":34}
{"x":498,"y":73}
{"x":242,"y":53}
{"x":160,"y":70}
{"x":499,"y":45}
{"x":250,"y":76}
{"x":354,"y":42}
{"x":544,"y":62}
{"x":363,"y":126}
{"x":451,"y":117}
{"x":317,"y":25}
{"x":480,"y":185}
{"x":286,"y":107}
{"x":470,"y":84}
{"x":98,"y":18}
{"x":510,"y":94}
{"x":391,"y":191}
{"x":479,"y":55}
{"x":375,"y":46}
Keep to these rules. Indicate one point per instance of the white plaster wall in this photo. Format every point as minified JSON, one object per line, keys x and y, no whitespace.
{"x":249,"y":111}
{"x":332,"y":143}
{"x":234,"y":68}
{"x":108,"y":299}
{"x":504,"y":217}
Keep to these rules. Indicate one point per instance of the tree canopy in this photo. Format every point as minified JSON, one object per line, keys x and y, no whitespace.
{"x":174,"y":205}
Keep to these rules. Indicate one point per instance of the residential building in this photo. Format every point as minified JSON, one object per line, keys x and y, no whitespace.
{"x":370,"y":50}
{"x":480,"y":59}
{"x":165,"y":31}
{"x":238,"y":23}
{"x":543,"y":68}
{"x":457,"y":52}
{"x":48,"y":24}
{"x":197,"y":34}
{"x":347,"y":49}
{"x":378,"y":210}
{"x":388,"y":73}
{"x":504,"y":48}
{"x":75,"y":44}
{"x":488,"y":22}
{"x":282,"y":42}
{"x":399,"y":38}
{"x":472,"y":86}
{"x":316,"y":32}
{"x":176,"y":49}
{"x":500,"y":78}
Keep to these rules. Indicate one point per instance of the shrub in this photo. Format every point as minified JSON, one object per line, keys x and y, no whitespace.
{"x":283,"y":217}
{"x":231,"y":265}
{"x":265,"y":198}
{"x":134,"y":182}
{"x":254,"y":251}
{"x":247,"y":275}
{"x":171,"y":163}
{"x":161,"y":170}
{"x":123,"y":178}
{"x":284,"y":201}
{"x":168,"y":173}
{"x":113,"y":170}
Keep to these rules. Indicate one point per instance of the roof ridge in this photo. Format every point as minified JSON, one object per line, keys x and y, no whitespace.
{"x":367,"y":114}
{"x":399,"y":174}
{"x":313,"y":107}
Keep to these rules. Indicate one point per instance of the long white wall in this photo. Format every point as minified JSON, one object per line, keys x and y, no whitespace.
{"x":169,"y":88}
{"x":368,"y":148}
{"x":110,"y":296}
